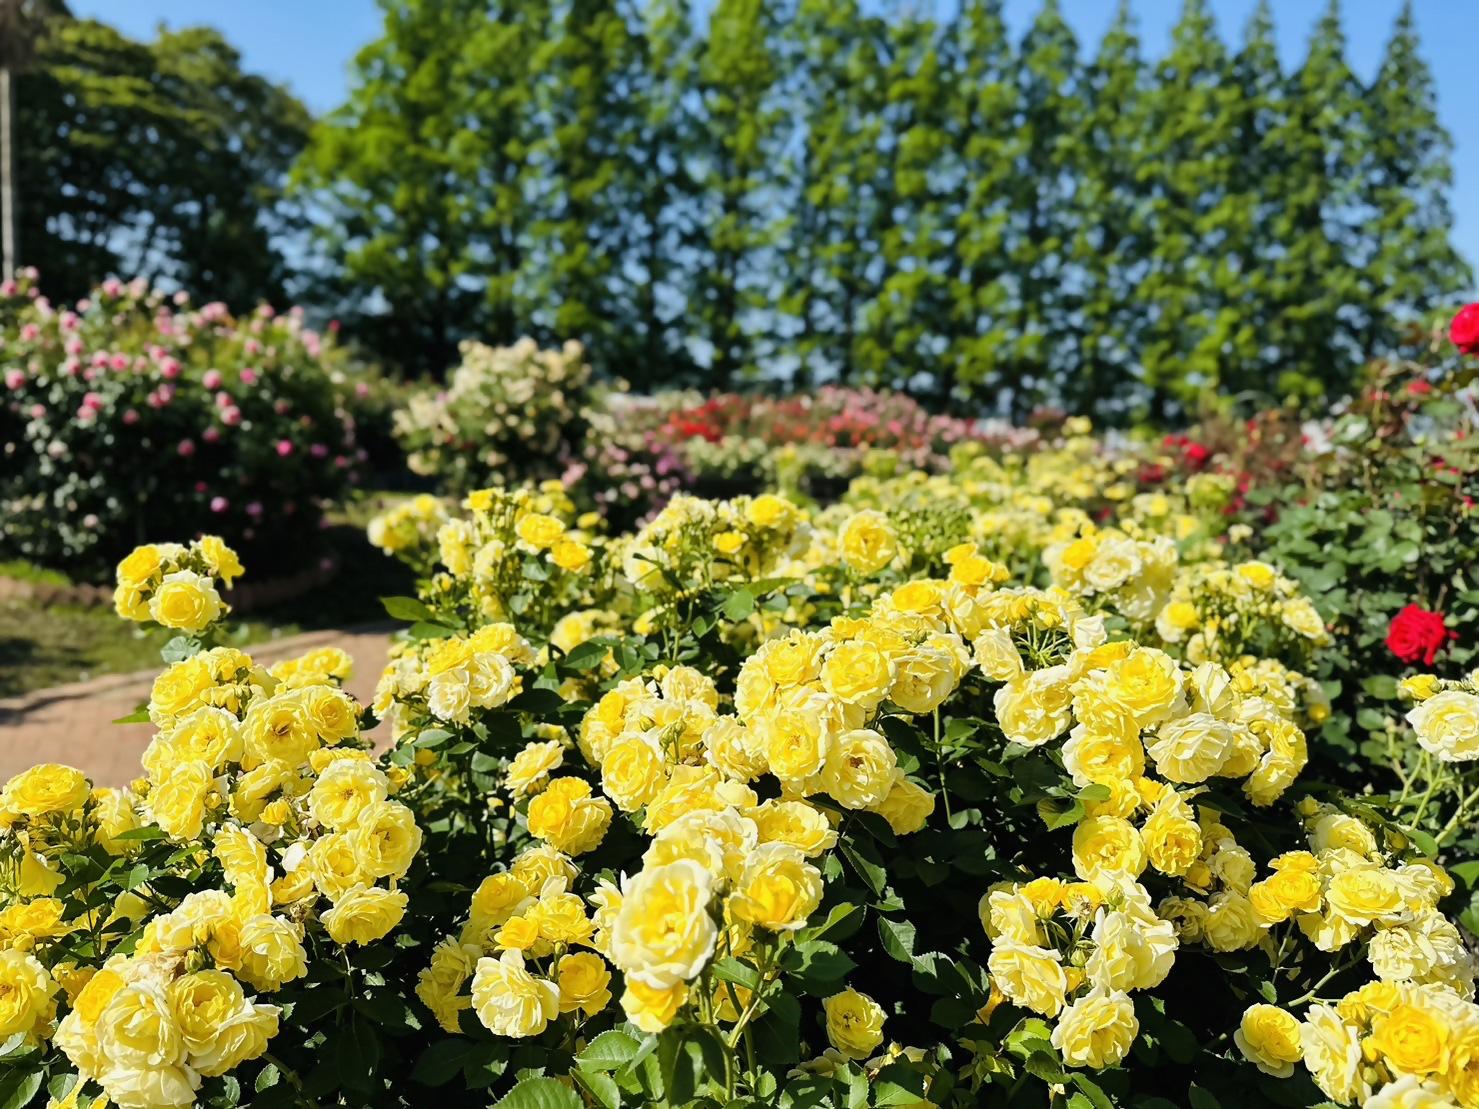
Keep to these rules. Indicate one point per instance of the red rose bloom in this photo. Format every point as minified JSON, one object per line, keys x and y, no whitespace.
{"x":1464,"y":330}
{"x":1416,"y":634}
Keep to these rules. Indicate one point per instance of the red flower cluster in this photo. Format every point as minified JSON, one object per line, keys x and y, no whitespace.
{"x":1464,"y":330}
{"x":1194,"y":455}
{"x":1416,"y":633}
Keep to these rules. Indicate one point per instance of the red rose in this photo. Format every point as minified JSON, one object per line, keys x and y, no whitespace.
{"x":1464,"y":330}
{"x":1416,"y":634}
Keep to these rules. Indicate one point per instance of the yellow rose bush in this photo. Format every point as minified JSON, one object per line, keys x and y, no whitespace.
{"x":990,"y":786}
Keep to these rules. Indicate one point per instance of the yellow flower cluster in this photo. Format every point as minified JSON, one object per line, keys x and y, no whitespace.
{"x":176,"y":586}
{"x":453,"y":676}
{"x":1217,"y":610}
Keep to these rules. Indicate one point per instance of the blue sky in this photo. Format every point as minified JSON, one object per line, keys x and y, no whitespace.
{"x":308,"y":44}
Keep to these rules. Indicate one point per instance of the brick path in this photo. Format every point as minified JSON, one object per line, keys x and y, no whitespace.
{"x":73,"y":723}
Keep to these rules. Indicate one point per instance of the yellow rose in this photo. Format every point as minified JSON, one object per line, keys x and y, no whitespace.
{"x":178,"y":804}
{"x":1419,"y":687}
{"x":1031,"y":977}
{"x":220,"y":559}
{"x":1191,"y":749}
{"x":568,"y":817}
{"x":1412,"y":1040}
{"x":26,"y":992}
{"x":346,"y":788}
{"x":521,"y":934}
{"x":186,"y":602}
{"x":770,"y":511}
{"x":1269,"y":1038}
{"x":509,"y":1000}
{"x":633,"y":772}
{"x":570,"y":555}
{"x":535,"y":866}
{"x":1447,"y":725}
{"x":795,"y":744}
{"x":561,"y":918}
{"x":439,"y":985}
{"x":651,"y":1008}
{"x":854,"y":1023}
{"x":1332,"y":1053}
{"x":859,"y":769}
{"x":137,"y":1029}
{"x":539,"y":531}
{"x":139,"y":568}
{"x":243,"y":1036}
{"x":663,"y":933}
{"x":364,"y":914}
{"x":1147,"y":682}
{"x":530,"y":768}
{"x":1172,"y":837}
{"x":1364,"y":895}
{"x":498,"y":897}
{"x":859,"y":673}
{"x":778,"y":889}
{"x":923,"y":678}
{"x":45,"y":789}
{"x":271,"y":952}
{"x":1097,"y":1030}
{"x":385,"y":839}
{"x":180,"y":688}
{"x":867,"y":542}
{"x":802,"y":825}
{"x":202,"y":1003}
{"x":584,"y":983}
{"x":1107,"y":845}
{"x":330,"y":712}
{"x":907,"y":807}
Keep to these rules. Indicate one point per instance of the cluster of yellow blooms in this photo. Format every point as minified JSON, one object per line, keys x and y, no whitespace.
{"x":1445,"y":717}
{"x":176,"y":586}
{"x":263,"y":773}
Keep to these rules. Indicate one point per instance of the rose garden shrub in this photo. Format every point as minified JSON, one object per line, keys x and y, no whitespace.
{"x":133,"y":409}
{"x":984,"y":786}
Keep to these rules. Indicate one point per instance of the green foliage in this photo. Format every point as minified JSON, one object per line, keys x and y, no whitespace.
{"x":834,"y":192}
{"x":162,"y":159}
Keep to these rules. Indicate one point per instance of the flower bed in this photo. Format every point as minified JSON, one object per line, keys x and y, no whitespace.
{"x":132,"y":406}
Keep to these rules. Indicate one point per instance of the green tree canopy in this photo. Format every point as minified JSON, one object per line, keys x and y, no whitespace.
{"x":160,"y":159}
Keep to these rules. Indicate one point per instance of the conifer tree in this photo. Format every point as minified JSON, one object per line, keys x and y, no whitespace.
{"x":734,"y":269}
{"x":1253,"y":361}
{"x":986,"y":145}
{"x":1411,"y":267}
{"x":1110,"y":242}
{"x":1316,"y":274}
{"x":1040,"y":345}
{"x":834,"y":169}
{"x":1188,"y":294}
{"x":905,"y":328}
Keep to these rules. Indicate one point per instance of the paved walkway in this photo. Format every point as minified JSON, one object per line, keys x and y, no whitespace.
{"x":73,"y":723}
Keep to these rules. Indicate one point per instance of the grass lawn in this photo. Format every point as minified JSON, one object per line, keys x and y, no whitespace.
{"x":42,"y":646}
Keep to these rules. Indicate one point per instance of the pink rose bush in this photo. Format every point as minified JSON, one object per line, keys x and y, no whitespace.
{"x":135,"y":405}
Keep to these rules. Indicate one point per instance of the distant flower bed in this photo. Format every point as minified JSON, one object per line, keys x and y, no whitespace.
{"x":136,"y":409}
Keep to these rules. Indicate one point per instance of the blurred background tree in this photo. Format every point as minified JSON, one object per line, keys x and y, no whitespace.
{"x":160,"y":159}
{"x":760,"y":191}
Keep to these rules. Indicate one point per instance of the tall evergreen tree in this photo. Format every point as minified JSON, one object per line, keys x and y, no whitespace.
{"x":1188,"y":292}
{"x":1411,"y":267}
{"x":1110,"y":242}
{"x":1253,"y":360}
{"x":737,"y":77}
{"x":1041,"y":338}
{"x":583,"y":99}
{"x":655,"y":196}
{"x":906,"y":327}
{"x":986,"y":146}
{"x":835,"y":167}
{"x":1316,"y":274}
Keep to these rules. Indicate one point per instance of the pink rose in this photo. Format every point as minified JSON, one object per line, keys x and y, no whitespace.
{"x":186,"y":448}
{"x":211,"y":379}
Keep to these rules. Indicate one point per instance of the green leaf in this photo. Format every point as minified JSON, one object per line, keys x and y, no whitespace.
{"x":1201,"y":1099}
{"x":1381,"y":686}
{"x":898,"y":938}
{"x":537,"y":701}
{"x":18,"y":1088}
{"x":138,"y":716}
{"x":608,"y":1051}
{"x":588,"y":655}
{"x":738,"y":604}
{"x":540,"y":1093}
{"x":408,"y":609}
{"x":267,"y":1077}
